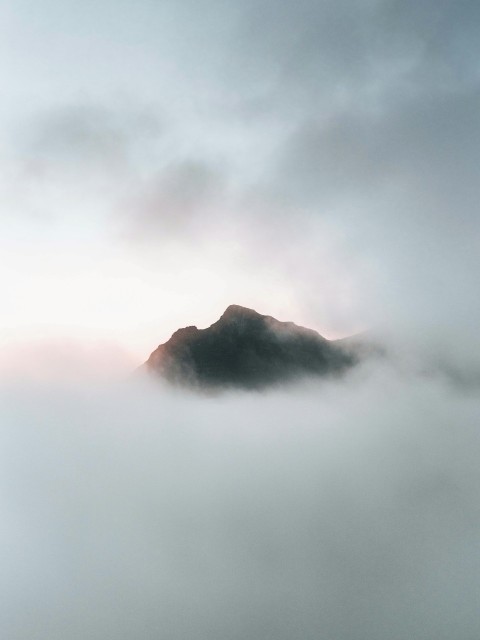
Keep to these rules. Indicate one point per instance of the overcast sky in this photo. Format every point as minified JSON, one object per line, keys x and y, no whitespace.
{"x":317,"y":161}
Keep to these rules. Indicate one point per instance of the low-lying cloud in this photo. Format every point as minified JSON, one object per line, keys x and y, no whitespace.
{"x":337,"y":510}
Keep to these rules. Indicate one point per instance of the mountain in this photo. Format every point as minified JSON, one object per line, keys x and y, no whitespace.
{"x":247,"y":350}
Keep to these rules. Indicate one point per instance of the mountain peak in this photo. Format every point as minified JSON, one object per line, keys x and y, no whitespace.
{"x":237,"y":311}
{"x":246,"y":349}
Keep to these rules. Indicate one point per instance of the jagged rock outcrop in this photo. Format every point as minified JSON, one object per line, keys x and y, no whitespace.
{"x":248,"y":350}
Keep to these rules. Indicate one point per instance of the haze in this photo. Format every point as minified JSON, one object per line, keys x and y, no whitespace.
{"x":317,"y":162}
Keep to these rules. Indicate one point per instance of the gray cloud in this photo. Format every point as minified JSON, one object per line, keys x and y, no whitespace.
{"x":380,"y":142}
{"x":181,"y":200}
{"x":338,"y":50}
{"x":91,"y":152}
{"x":334,"y":144}
{"x":347,"y":511}
{"x":89,"y":142}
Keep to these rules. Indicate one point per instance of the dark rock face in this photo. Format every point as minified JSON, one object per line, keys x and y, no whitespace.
{"x":248,"y":350}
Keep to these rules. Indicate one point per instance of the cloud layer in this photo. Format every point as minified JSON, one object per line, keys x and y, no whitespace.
{"x":347,"y":510}
{"x":325,"y":152}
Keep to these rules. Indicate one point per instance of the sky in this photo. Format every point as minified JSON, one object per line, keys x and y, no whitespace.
{"x":316,"y":161}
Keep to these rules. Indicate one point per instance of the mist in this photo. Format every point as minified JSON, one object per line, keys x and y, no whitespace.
{"x":317,"y":162}
{"x":340,"y":509}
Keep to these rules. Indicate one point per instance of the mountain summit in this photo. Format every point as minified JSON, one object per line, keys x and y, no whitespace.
{"x":248,"y":350}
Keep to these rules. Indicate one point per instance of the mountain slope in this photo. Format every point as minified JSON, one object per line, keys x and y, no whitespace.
{"x":248,"y":350}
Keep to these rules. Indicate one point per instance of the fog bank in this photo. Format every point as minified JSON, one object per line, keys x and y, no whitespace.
{"x":345,"y":510}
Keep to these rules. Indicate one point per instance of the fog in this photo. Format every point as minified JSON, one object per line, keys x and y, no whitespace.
{"x":316,"y":161}
{"x":345,"y":510}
